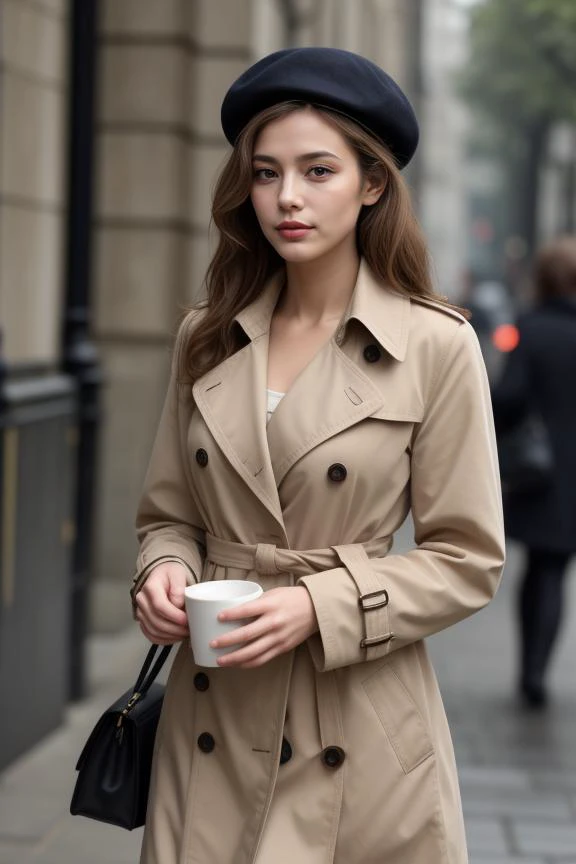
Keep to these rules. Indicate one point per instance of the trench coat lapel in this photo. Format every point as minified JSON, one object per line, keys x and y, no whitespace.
{"x":232,"y":400}
{"x":333,"y":393}
{"x":330,"y":395}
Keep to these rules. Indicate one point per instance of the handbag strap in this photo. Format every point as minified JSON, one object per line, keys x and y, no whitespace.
{"x":146,"y":677}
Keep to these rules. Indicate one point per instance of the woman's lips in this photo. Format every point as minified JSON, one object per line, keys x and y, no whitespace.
{"x":294,"y":232}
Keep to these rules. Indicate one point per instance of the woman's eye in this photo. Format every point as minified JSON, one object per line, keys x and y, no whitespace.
{"x":264,"y":173}
{"x":320,"y":171}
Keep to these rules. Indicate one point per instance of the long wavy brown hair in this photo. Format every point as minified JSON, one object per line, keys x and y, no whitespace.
{"x":388,"y":237}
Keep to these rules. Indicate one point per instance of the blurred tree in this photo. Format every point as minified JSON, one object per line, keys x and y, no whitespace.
{"x":521,"y":78}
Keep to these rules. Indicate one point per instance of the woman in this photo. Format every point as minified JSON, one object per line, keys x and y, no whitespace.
{"x":540,"y":376}
{"x":322,"y":737}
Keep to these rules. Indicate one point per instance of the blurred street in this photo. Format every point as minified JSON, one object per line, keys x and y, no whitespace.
{"x":518,"y":770}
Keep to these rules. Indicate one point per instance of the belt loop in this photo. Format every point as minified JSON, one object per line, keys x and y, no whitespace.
{"x":329,"y":715}
{"x":265,"y":559}
{"x":331,"y":735}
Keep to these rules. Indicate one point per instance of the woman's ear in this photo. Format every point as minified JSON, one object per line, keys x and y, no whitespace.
{"x":372,"y":188}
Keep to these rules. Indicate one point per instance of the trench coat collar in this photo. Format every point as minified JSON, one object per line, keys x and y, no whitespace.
{"x":231,"y":397}
{"x":383,"y":312}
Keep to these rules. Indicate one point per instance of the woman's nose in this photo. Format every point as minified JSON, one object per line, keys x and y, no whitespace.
{"x":290,"y":195}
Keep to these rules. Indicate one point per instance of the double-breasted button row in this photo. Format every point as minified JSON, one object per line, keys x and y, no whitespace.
{"x":202,"y":457}
{"x":332,"y":757}
{"x":337,"y":472}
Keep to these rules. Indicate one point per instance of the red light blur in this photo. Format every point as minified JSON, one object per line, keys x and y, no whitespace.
{"x":505,"y":337}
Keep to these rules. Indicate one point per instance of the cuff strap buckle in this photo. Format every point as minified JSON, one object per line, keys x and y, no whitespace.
{"x":367,"y":602}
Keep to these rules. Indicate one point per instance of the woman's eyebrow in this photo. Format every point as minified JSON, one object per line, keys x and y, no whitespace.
{"x":305,"y":157}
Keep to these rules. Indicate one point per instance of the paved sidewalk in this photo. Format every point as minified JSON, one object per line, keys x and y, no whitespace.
{"x":517,"y":770}
{"x":35,"y":824}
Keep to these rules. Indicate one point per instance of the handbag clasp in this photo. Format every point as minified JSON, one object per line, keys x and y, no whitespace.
{"x":129,"y":705}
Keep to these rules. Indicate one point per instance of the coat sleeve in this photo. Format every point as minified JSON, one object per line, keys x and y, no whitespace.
{"x":370,"y":607}
{"x":168,"y":523}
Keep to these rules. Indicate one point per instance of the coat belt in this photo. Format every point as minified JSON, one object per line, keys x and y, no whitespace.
{"x":269,"y":560}
{"x":266,"y":559}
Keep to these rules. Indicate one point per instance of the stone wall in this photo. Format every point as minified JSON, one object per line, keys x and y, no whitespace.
{"x":33,"y":99}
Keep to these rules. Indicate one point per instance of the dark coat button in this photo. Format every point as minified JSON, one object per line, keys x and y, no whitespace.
{"x":333,"y":757}
{"x":337,"y":472}
{"x":202,"y":457}
{"x":285,"y":752}
{"x":206,"y":742}
{"x":372,"y":353}
{"x":201,"y":681}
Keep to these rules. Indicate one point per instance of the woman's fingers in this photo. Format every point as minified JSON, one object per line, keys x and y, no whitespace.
{"x":160,"y":636}
{"x":158,"y":626}
{"x":159,"y":604}
{"x":153,"y":636}
{"x":243,"y":634}
{"x":251,"y":653}
{"x":161,"y":607}
{"x":246,"y":610}
{"x":156,"y":606}
{"x":261,"y":660}
{"x":156,"y":632}
{"x":286,"y":619}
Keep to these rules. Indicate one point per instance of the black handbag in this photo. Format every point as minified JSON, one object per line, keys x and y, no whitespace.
{"x":116,"y":761}
{"x":526,"y":458}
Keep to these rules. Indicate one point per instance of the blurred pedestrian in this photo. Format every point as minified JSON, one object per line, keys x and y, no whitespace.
{"x":540,"y":378}
{"x":322,"y":736}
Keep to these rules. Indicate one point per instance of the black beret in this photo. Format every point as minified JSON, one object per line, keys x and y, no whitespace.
{"x":330,"y":78}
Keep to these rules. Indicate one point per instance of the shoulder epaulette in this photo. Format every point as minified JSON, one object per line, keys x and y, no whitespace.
{"x":434,"y":304}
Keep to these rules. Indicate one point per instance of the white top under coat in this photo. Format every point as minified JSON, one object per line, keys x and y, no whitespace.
{"x":274,"y":398}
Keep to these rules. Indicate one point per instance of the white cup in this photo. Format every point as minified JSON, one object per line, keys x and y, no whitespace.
{"x":204,"y":601}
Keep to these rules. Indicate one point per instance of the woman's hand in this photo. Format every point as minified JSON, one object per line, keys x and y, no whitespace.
{"x":160,"y":604}
{"x":285,"y":619}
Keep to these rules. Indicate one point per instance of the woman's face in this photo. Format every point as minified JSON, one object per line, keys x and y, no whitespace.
{"x":307,"y":188}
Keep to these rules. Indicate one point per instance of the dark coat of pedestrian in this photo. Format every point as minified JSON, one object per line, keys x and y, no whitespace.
{"x":540,"y":378}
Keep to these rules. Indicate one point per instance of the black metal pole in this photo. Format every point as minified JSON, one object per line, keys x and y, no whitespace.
{"x":3,"y":376}
{"x":80,"y":358}
{"x":3,"y":407}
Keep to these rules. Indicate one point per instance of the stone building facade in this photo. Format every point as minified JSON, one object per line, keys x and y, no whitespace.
{"x":33,"y":102}
{"x":37,"y":402}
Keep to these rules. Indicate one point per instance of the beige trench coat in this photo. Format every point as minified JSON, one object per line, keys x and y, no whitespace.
{"x":338,"y":751}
